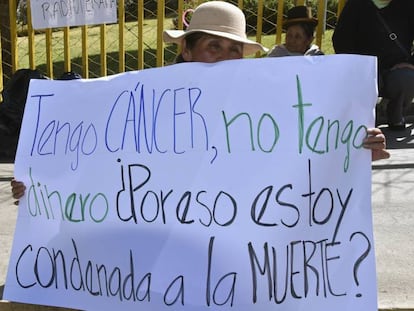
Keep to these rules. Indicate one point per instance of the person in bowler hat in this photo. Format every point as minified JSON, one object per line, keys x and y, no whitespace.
{"x":300,"y":28}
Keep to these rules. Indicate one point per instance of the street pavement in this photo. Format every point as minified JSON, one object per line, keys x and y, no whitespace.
{"x":393,"y":217}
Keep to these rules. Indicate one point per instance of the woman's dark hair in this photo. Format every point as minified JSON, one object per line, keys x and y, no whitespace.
{"x":69,"y":75}
{"x":190,"y":42}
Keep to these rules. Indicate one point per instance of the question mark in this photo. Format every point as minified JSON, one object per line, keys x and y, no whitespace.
{"x":360,"y":258}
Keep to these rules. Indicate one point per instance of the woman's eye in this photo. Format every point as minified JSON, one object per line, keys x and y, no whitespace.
{"x":215,"y":46}
{"x":235,"y":50}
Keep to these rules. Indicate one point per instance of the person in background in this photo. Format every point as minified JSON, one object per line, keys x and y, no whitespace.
{"x":209,"y":39}
{"x":69,"y":75}
{"x":300,"y":29}
{"x":382,"y":28}
{"x":11,"y":110}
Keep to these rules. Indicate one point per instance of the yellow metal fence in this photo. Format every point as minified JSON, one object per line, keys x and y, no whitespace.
{"x":134,"y":43}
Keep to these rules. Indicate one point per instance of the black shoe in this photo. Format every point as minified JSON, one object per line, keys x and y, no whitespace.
{"x":400,"y":126}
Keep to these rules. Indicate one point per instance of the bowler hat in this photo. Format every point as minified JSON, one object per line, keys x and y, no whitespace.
{"x":299,"y":14}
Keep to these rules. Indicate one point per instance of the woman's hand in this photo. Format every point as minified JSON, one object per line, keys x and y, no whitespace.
{"x":376,"y":142}
{"x":18,"y":189}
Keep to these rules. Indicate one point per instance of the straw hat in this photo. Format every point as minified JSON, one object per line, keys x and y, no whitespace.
{"x":217,"y":18}
{"x":299,"y":14}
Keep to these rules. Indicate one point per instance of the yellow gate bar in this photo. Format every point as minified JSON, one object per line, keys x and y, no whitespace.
{"x":13,"y":33}
{"x":121,"y":25}
{"x":1,"y":73}
{"x":49,"y":61}
{"x":160,"y":28}
{"x":30,"y":37}
{"x":259,"y":26}
{"x":279,"y":22}
{"x":140,"y":19}
{"x":66,"y":49}
{"x":85,"y":53}
{"x":321,"y":22}
{"x":180,"y":23}
{"x":103,"y":50}
{"x":341,"y":4}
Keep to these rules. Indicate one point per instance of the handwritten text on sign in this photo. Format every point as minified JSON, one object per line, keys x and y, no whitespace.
{"x":61,"y":13}
{"x":234,"y":186}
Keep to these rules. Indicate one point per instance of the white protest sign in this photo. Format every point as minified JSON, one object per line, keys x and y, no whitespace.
{"x":60,"y":13}
{"x":240,"y":185}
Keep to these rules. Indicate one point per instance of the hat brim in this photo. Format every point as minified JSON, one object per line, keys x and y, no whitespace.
{"x":249,"y":46}
{"x":311,"y":21}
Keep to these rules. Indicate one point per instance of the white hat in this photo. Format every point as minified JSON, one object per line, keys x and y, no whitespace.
{"x":217,"y":18}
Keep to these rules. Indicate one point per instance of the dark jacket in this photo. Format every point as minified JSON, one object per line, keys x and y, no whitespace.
{"x":360,"y":31}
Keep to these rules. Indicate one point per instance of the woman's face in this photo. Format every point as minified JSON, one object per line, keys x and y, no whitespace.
{"x":211,"y":49}
{"x":296,"y":39}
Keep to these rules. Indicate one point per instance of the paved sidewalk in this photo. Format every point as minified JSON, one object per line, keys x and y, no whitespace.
{"x":393,"y":214}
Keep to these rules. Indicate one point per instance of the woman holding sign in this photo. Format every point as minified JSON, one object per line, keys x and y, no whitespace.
{"x":216,"y":32}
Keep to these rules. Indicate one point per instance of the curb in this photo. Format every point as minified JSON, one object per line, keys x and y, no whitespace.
{"x":15,"y":306}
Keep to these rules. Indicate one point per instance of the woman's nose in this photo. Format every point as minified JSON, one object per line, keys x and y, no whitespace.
{"x":222,"y":55}
{"x":227,"y":55}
